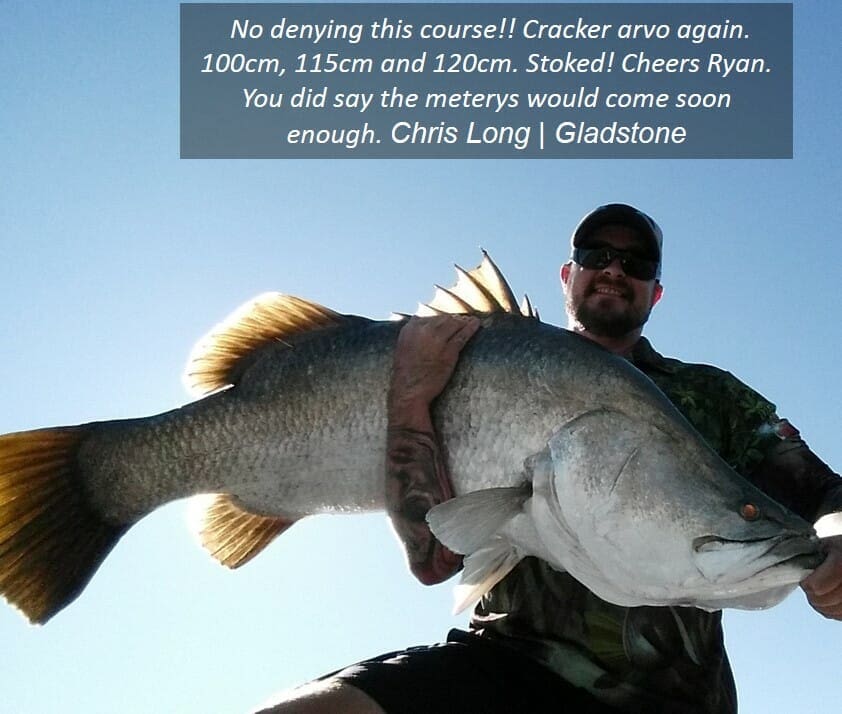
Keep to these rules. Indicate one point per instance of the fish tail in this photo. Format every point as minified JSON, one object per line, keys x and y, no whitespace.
{"x":52,"y":540}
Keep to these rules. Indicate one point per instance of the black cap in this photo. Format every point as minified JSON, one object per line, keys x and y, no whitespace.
{"x":624,"y":215}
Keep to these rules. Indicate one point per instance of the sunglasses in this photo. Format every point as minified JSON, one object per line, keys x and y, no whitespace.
{"x":633,"y":265}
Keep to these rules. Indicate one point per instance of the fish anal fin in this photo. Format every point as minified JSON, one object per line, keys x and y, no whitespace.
{"x":479,"y":291}
{"x":268,"y":318}
{"x":52,"y":539}
{"x":232,"y":534}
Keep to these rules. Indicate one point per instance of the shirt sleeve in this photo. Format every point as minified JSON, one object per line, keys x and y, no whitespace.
{"x":794,"y":476}
{"x":771,"y":453}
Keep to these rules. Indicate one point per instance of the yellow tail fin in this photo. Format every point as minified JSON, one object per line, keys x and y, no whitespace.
{"x":51,"y":539}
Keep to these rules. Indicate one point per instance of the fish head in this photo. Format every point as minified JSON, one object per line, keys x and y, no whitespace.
{"x":660,"y":518}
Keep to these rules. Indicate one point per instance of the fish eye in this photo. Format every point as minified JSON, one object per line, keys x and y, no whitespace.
{"x":749,"y":512}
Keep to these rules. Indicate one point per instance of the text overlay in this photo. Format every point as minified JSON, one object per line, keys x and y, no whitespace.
{"x":389,"y":80}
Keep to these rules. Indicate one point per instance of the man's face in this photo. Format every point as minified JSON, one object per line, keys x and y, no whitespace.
{"x":606,"y":301}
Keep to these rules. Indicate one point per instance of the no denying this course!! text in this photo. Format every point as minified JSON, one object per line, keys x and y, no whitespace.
{"x":486,"y":81}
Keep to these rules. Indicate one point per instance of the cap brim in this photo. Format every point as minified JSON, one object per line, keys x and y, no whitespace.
{"x":624,"y":216}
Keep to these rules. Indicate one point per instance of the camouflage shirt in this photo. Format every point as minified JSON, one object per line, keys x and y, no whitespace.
{"x":657,"y":660}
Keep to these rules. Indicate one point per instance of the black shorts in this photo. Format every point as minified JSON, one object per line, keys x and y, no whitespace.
{"x":466,"y":674}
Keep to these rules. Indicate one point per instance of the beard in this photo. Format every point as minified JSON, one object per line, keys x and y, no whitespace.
{"x":612,"y":321}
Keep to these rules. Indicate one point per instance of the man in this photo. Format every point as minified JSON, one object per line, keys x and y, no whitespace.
{"x":540,"y":641}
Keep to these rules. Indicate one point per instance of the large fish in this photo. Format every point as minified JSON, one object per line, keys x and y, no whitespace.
{"x":557,"y":448}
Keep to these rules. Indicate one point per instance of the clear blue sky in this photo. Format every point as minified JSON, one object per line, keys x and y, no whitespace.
{"x":115,"y":256}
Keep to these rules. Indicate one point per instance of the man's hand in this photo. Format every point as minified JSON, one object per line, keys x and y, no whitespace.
{"x":823,"y":586}
{"x":425,"y":357}
{"x":416,"y":477}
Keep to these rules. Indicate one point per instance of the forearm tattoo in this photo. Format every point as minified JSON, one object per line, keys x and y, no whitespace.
{"x":417,"y":480}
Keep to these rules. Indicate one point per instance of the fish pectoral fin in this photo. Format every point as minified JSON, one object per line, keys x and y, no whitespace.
{"x":232,"y":534}
{"x":467,"y":523}
{"x":483,"y":570}
{"x":269,"y":318}
{"x":472,"y":524}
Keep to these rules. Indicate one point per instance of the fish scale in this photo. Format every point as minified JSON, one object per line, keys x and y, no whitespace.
{"x":556,"y":447}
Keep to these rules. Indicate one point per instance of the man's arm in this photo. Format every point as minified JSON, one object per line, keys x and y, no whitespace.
{"x":416,"y":474}
{"x":795,"y":476}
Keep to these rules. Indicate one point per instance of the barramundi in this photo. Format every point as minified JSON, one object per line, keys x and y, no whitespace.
{"x":557,"y":449}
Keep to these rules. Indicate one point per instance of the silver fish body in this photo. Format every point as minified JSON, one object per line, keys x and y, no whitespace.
{"x":556,"y":447}
{"x":303,"y":432}
{"x":303,"y":429}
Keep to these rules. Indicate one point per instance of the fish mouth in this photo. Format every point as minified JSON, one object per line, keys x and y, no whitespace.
{"x":807,"y":561}
{"x":799,"y":542}
{"x":805,"y":551}
{"x":787,"y":549}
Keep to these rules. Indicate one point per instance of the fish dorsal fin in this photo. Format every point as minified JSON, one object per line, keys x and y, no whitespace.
{"x":481,"y":290}
{"x":232,"y":534}
{"x":270,"y":317}
{"x":526,"y":308}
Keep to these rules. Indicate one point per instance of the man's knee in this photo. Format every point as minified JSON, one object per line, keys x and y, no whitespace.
{"x":324,"y":697}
